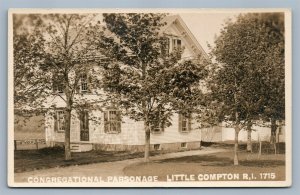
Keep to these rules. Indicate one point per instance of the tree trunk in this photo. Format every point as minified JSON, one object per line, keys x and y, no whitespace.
{"x":249,"y":139}
{"x":259,"y":153}
{"x":147,"y":141}
{"x":277,"y":135}
{"x":273,"y":133}
{"x":236,"y":146}
{"x":67,"y":134}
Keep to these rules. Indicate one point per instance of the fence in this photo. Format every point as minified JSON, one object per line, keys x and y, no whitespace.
{"x":29,"y":144}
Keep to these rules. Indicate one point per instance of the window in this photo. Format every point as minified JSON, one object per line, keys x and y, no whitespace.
{"x":84,"y":119}
{"x":84,"y":125}
{"x":170,"y":44}
{"x":183,"y":145}
{"x":57,"y":83}
{"x":176,"y":43}
{"x":58,"y":88}
{"x":59,"y":121}
{"x":158,"y":123}
{"x":157,"y":128}
{"x":184,"y":123}
{"x":83,"y":83}
{"x":112,"y":121}
{"x":156,"y":146}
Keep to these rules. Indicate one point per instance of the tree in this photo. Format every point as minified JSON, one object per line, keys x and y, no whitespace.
{"x":148,"y":82}
{"x":274,"y":68}
{"x":28,"y":54}
{"x":65,"y":54}
{"x":241,"y":83}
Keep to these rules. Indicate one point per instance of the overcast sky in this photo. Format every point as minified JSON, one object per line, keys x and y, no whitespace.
{"x":205,"y":26}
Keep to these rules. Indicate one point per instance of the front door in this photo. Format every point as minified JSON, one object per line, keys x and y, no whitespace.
{"x":84,"y":126}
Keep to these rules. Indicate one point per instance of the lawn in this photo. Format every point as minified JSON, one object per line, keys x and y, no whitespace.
{"x":213,"y":163}
{"x":29,"y":160}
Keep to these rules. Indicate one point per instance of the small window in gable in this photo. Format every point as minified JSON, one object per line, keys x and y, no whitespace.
{"x":171,"y":44}
{"x":176,"y":43}
{"x":112,"y":121}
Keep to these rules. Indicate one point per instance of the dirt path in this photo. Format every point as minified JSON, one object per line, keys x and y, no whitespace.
{"x":103,"y":169}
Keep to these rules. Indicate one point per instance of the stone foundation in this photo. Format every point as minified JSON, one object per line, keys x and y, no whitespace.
{"x":179,"y":146}
{"x":173,"y":147}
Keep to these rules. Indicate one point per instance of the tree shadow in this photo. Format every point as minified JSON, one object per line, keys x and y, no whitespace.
{"x":213,"y":160}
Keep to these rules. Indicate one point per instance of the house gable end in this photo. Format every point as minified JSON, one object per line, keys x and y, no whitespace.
{"x":176,"y":27}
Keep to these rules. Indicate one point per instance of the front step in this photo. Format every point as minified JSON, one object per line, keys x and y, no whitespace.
{"x":75,"y":148}
{"x":81,"y":147}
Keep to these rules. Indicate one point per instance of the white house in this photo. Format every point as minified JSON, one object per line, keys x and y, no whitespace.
{"x":222,"y":133}
{"x":110,"y":130}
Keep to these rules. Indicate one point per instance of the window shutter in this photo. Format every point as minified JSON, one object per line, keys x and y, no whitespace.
{"x":179,"y":122}
{"x":106,"y":122}
{"x":55,"y":121}
{"x":77,"y":88}
{"x":118,"y":115}
{"x":119,"y":126}
{"x":89,"y":86}
{"x":119,"y":120}
{"x":189,"y":123}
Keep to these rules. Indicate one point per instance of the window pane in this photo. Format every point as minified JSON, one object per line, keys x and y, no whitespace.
{"x":83,"y":82}
{"x":178,"y":43}
{"x":184,"y":124}
{"x":113,"y":115}
{"x":112,"y":121}
{"x":61,"y":120}
{"x":113,"y":126}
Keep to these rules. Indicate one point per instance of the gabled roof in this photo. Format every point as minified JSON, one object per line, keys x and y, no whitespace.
{"x":177,"y":20}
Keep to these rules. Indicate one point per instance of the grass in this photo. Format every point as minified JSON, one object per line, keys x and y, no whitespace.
{"x":266,"y":147}
{"x":29,"y":160}
{"x":212,"y":163}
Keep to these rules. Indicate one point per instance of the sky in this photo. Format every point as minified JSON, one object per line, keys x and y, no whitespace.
{"x":206,"y":26}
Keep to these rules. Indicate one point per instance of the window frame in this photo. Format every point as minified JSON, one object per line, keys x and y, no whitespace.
{"x":184,"y":120}
{"x":175,"y":44}
{"x":183,"y":145}
{"x":84,"y":125}
{"x":58,"y":121}
{"x":83,"y":81}
{"x":57,"y":87}
{"x":108,"y":121}
{"x":156,"y":147}
{"x":157,"y":129}
{"x":157,"y":126}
